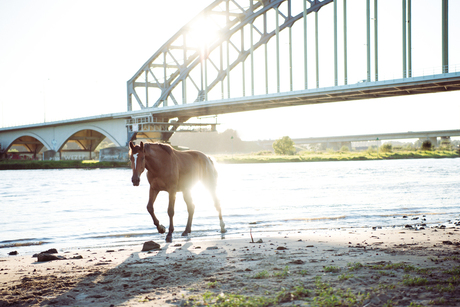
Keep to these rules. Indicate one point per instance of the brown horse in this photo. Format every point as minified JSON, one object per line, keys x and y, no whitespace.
{"x":173,"y":171}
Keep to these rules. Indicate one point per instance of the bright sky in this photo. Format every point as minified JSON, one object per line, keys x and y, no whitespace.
{"x":64,"y":59}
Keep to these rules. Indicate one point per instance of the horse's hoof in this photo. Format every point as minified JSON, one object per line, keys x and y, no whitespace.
{"x":185,"y":233}
{"x":223,"y":230}
{"x":161,"y":229}
{"x":168,"y":239}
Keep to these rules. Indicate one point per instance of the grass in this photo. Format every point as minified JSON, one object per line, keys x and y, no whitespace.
{"x":282,"y":274}
{"x":344,"y":276}
{"x":354,"y":266}
{"x":267,"y":157}
{"x":414,"y":281}
{"x":264,"y":274}
{"x":333,"y":156}
{"x":36,"y":164}
{"x":331,"y":269}
{"x":332,"y":291}
{"x":261,"y":275}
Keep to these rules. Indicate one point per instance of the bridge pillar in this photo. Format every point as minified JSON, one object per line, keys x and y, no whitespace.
{"x":49,"y":155}
{"x":433,"y":140}
{"x":119,"y":154}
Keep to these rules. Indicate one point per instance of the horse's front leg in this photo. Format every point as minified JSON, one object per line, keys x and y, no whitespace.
{"x":172,"y":200}
{"x":152,"y":196}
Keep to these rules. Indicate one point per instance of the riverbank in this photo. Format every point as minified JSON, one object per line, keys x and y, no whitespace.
{"x":268,"y":157}
{"x":264,"y":157}
{"x":38,"y":164}
{"x":346,"y":267}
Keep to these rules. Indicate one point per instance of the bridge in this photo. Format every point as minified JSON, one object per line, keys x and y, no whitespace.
{"x":242,"y":55}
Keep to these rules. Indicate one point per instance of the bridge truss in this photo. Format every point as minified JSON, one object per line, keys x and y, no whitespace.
{"x":234,"y":49}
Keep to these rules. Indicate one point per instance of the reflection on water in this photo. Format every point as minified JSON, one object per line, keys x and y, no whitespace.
{"x":93,"y":208}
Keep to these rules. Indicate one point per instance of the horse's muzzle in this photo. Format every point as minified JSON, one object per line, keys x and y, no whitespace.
{"x":136,"y":181}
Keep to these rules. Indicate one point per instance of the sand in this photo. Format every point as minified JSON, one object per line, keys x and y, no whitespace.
{"x":349,"y":267}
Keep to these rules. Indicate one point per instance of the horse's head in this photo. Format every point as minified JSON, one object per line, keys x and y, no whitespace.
{"x":137,"y":157}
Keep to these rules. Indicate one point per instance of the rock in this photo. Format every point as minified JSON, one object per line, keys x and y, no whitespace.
{"x":50,"y":251}
{"x":281,"y":248}
{"x":150,"y":245}
{"x":211,"y":247}
{"x":48,"y":257}
{"x":13,"y":253}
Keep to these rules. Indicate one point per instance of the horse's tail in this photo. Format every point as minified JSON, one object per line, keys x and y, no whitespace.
{"x":211,"y":170}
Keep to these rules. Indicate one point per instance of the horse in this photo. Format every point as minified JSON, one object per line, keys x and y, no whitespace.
{"x":173,"y":171}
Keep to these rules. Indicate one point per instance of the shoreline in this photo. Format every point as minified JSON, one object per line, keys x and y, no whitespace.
{"x":237,"y":159}
{"x":354,"y":267}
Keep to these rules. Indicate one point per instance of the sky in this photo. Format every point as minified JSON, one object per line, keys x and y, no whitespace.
{"x":62,"y":59}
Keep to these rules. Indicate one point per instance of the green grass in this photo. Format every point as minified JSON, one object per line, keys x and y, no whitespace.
{"x":354,"y":266}
{"x":344,"y":276}
{"x":36,"y":164}
{"x":331,"y":269}
{"x":414,"y":281}
{"x":261,"y":275}
{"x":333,"y":156}
{"x":282,"y":274}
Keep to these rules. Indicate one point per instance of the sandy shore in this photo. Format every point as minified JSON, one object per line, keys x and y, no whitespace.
{"x":350,"y":267}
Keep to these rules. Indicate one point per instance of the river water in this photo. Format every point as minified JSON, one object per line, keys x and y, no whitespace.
{"x":81,"y":209}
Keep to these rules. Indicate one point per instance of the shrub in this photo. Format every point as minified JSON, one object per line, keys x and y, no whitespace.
{"x":284,"y":146}
{"x":387,"y":147}
{"x":445,"y":145}
{"x":371,"y":149}
{"x":344,"y":148}
{"x":426,"y":145}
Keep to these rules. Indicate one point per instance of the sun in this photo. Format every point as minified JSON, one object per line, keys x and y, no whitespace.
{"x":202,"y":33}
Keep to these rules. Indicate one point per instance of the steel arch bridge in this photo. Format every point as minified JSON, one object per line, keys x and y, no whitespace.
{"x":242,"y":55}
{"x":232,"y":57}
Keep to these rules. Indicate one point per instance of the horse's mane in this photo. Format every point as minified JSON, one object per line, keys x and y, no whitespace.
{"x":165,"y":147}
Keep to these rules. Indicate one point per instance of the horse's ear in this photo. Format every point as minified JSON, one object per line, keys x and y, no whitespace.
{"x":142,"y":146}
{"x":131,"y":145}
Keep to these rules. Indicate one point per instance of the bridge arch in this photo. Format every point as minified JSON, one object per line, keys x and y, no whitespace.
{"x":84,"y":139}
{"x":202,"y":64}
{"x":31,"y":142}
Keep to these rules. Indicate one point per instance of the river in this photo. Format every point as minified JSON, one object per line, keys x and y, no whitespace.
{"x":81,"y":209}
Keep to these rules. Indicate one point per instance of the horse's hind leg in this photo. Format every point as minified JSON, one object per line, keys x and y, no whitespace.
{"x":218,"y":208}
{"x":191,"y":211}
{"x":172,"y":201}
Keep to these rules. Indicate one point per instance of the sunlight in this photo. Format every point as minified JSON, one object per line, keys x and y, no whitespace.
{"x":202,"y":33}
{"x":201,"y":196}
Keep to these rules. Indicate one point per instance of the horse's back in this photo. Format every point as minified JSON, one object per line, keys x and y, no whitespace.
{"x":197,"y":165}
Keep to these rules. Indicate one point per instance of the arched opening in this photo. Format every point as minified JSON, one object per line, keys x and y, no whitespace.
{"x":26,"y":148}
{"x":84,"y":145}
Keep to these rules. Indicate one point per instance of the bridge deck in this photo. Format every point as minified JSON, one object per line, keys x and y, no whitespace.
{"x":359,"y":91}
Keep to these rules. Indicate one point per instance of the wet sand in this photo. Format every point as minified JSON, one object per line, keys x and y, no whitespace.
{"x":346,"y":267}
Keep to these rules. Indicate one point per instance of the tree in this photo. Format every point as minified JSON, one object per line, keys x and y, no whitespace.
{"x":387,"y":147}
{"x":284,"y":146}
{"x":426,"y":145}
